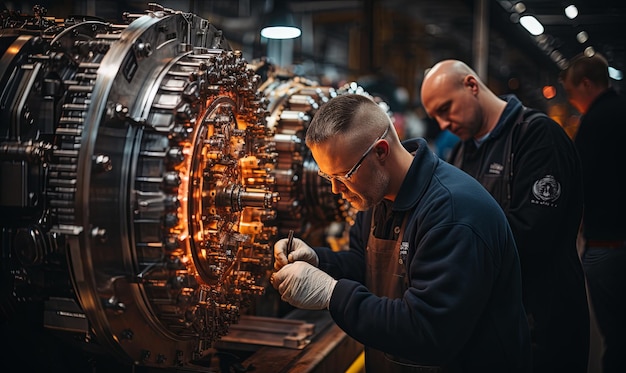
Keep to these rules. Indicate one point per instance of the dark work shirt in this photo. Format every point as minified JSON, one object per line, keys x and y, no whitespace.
{"x":599,"y":141}
{"x":462,"y":308}
{"x":538,"y":183}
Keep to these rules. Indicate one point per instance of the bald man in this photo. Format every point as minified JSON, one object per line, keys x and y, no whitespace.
{"x":531,"y":167}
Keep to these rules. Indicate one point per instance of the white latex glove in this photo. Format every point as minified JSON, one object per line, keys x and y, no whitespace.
{"x":304,"y":286}
{"x":301,"y":251}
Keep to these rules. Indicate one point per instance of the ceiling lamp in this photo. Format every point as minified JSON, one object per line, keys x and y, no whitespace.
{"x":615,"y":73}
{"x":571,"y":11}
{"x":280,"y":24}
{"x":531,"y":24}
{"x":582,"y":37}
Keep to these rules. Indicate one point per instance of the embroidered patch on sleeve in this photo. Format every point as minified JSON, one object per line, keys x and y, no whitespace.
{"x":546,"y":191}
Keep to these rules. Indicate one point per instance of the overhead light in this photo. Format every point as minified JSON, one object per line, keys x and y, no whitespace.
{"x":280,"y":24}
{"x":615,"y":73}
{"x":556,"y":56}
{"x":519,"y":7}
{"x":582,"y":37}
{"x":571,"y":11}
{"x":280,"y":32}
{"x":531,"y":24}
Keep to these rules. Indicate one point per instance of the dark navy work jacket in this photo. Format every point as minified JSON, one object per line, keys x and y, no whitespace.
{"x":463,"y":306}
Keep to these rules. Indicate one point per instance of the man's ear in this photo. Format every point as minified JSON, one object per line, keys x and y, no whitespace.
{"x":382,"y":149}
{"x":470,"y":82}
{"x":587,"y":84}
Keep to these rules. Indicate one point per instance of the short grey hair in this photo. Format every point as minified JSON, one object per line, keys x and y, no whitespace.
{"x":342,"y":114}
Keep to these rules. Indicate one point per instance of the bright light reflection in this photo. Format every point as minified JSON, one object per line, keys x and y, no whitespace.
{"x":571,"y":11}
{"x":615,"y":73}
{"x":531,"y":24}
{"x":519,"y":7}
{"x":281,"y":32}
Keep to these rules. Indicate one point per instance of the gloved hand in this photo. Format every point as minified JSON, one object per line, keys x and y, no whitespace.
{"x":301,"y":251}
{"x":304,"y":286}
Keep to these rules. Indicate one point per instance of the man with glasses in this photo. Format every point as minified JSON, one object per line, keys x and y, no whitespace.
{"x":431,"y":281}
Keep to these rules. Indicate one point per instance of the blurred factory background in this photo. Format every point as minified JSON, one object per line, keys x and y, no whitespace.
{"x":388,"y":44}
{"x":203,"y":160}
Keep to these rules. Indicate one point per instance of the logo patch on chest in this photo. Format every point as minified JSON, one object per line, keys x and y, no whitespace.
{"x":495,"y":169}
{"x":404,"y":251}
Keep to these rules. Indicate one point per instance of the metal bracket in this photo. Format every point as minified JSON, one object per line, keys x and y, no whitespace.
{"x":269,"y":331}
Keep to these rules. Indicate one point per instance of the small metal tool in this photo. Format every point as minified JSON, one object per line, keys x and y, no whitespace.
{"x":289,"y":243}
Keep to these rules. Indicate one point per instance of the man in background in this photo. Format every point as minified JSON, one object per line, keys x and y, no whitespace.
{"x":530,"y":166}
{"x":599,"y":141}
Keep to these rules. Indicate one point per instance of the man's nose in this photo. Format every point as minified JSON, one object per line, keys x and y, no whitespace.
{"x":337,"y":186}
{"x":444,"y":124}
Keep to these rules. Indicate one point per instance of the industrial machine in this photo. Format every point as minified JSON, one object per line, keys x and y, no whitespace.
{"x":146,"y":170}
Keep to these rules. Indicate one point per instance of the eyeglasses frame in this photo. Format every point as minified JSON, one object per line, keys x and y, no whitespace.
{"x":354,"y":168}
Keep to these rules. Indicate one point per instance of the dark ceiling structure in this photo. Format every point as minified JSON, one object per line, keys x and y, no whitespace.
{"x":448,"y":25}
{"x":601,"y":20}
{"x":357,"y":38}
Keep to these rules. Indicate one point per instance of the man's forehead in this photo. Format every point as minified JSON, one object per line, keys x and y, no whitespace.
{"x":435,"y":102}
{"x":332,"y":154}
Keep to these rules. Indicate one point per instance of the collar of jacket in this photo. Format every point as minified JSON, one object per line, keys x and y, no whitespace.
{"x":609,"y":92}
{"x":509,"y":116}
{"x":419,"y":175}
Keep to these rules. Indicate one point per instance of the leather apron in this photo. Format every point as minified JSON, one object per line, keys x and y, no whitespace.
{"x":386,"y":276}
